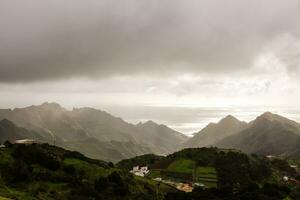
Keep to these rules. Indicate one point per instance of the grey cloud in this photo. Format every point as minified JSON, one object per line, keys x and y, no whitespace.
{"x":51,"y":39}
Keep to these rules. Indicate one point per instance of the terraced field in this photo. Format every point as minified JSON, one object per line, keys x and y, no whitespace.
{"x":207,"y":176}
{"x":187,"y":170}
{"x":182,"y":166}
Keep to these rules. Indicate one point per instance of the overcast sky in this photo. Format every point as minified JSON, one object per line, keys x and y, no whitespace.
{"x":143,"y":54}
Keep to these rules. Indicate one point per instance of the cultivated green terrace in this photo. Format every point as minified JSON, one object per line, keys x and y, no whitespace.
{"x":213,"y":173}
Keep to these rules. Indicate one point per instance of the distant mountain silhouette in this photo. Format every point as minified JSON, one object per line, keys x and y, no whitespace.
{"x":214,"y":132}
{"x":165,"y":139}
{"x":100,"y":135}
{"x":94,"y":132}
{"x":267,"y":134}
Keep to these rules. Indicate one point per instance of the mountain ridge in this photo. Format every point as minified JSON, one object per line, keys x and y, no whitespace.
{"x":268,"y":134}
{"x":214,"y":132}
{"x":72,"y":128}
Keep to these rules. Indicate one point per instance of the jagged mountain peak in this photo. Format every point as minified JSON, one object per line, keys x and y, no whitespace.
{"x":229,"y":119}
{"x":214,"y":132}
{"x":43,"y":106}
{"x":72,"y":128}
{"x":271,"y":117}
{"x":50,"y":105}
{"x":269,"y":133}
{"x":150,"y":123}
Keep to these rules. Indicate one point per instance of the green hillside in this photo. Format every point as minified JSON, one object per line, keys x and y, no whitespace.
{"x":47,"y":172}
{"x":225,"y":174}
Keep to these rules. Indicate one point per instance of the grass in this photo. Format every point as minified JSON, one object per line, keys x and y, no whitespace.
{"x":3,"y":198}
{"x":206,"y":170}
{"x":14,"y":194}
{"x":182,"y":166}
{"x":207,"y":176}
{"x":154,"y":174}
{"x":91,"y":170}
{"x":160,"y":188}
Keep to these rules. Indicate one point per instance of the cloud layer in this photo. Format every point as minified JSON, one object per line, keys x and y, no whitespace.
{"x":54,"y":39}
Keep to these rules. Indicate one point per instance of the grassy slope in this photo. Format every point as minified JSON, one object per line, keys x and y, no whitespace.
{"x":182,"y":166}
{"x":57,"y":186}
{"x":207,"y":176}
{"x":204,"y":174}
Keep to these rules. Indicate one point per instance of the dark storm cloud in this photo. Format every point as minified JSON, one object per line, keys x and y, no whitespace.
{"x":51,"y":39}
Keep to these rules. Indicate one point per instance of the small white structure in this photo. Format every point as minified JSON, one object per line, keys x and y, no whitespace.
{"x":199,"y":185}
{"x":2,"y":146}
{"x":25,"y":141}
{"x":158,"y":179}
{"x":140,"y":171}
{"x":294,"y":166}
{"x":271,"y":156}
{"x":285,"y":178}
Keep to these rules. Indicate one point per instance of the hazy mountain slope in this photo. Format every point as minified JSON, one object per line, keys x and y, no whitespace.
{"x":165,"y":140}
{"x":71,"y":129}
{"x":267,"y":134}
{"x":215,"y":132}
{"x":9,"y":131}
{"x":49,"y":119}
{"x":102,"y":125}
{"x":107,"y":150}
{"x":105,"y":127}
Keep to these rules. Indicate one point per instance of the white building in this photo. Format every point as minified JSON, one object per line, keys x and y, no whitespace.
{"x":285,"y":178}
{"x":158,"y":179}
{"x":294,"y":166}
{"x":199,"y":185}
{"x":140,"y":171}
{"x":25,"y":141}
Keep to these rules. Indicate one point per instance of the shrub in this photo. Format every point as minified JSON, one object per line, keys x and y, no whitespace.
{"x":15,"y":172}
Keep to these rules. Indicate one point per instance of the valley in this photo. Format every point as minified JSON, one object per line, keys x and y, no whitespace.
{"x":225,"y":158}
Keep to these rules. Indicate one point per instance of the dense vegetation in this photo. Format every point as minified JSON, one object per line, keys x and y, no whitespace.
{"x":42,"y":171}
{"x":148,"y":159}
{"x":48,"y":172}
{"x":236,"y":175}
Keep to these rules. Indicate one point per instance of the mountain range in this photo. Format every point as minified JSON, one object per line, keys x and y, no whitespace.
{"x":101,"y":135}
{"x":90,"y":131}
{"x":268,"y":134}
{"x":215,"y":132}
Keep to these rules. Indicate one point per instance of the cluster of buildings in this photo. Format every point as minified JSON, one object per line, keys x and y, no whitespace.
{"x":140,"y":171}
{"x":186,"y":187}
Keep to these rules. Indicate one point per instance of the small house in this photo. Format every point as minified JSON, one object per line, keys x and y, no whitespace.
{"x":140,"y":171}
{"x":25,"y":141}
